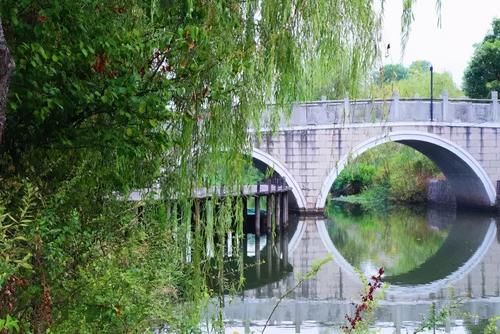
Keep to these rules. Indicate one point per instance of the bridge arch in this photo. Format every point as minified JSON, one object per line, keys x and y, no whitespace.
{"x":470,"y":182}
{"x":279,"y":168}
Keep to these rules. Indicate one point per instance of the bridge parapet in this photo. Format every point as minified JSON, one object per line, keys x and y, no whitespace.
{"x":395,"y":109}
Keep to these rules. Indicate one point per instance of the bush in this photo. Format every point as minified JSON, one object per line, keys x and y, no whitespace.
{"x":353,"y":179}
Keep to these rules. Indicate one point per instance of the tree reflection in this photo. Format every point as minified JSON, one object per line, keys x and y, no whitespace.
{"x":398,"y":239}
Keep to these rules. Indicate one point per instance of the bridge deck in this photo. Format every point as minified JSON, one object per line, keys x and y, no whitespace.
{"x":246,"y":191}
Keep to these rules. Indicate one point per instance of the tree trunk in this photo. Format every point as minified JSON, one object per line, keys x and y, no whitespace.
{"x":6,"y":67}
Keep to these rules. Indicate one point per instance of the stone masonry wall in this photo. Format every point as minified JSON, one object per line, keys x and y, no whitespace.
{"x":310,"y":153}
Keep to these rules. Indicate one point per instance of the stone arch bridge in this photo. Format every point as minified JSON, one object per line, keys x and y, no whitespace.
{"x":312,"y":146}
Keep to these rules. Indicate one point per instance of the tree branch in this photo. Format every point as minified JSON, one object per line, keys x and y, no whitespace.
{"x":7,"y":65}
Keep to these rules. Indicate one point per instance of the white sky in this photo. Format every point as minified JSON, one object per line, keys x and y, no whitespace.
{"x":449,"y":48}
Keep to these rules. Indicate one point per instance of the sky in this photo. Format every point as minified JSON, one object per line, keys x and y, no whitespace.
{"x":450,"y":47}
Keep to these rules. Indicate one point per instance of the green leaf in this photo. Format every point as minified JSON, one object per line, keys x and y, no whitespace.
{"x":43,"y":53}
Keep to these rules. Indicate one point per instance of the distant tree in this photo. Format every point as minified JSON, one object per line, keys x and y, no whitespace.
{"x":482,"y":75}
{"x":392,"y":72}
{"x":495,"y":34}
{"x":418,"y":84}
{"x":419,"y":66}
{"x":412,"y":81}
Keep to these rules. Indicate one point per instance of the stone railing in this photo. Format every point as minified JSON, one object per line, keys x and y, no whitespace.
{"x":395,"y":109}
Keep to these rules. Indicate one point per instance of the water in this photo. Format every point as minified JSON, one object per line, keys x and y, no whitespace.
{"x":448,"y":258}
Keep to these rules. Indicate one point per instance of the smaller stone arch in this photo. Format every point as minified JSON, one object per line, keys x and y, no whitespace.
{"x":283,"y":171}
{"x":460,"y":161}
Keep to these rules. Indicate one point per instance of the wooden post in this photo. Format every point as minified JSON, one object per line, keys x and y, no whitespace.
{"x":197,"y":215}
{"x":285,"y":248}
{"x":278,"y":259}
{"x":285,"y":209}
{"x":269,"y":255}
{"x":277,"y":220}
{"x":269,"y":213}
{"x":257,"y":215}
{"x":257,"y":257}
{"x":244,"y":247}
{"x":245,"y":213}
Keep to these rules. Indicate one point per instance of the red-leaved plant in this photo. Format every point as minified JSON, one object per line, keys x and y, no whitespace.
{"x":366,"y":302}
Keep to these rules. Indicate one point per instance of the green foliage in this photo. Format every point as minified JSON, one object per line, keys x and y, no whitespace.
{"x":482,"y":75}
{"x":438,"y":316}
{"x":391,"y":72}
{"x":353,"y":179}
{"x":253,"y":175}
{"x":375,"y":197}
{"x":139,"y":284}
{"x":336,"y":40}
{"x":389,"y":172}
{"x":112,"y":96}
{"x":15,"y":253}
{"x":419,"y":66}
{"x":416,"y":82}
{"x":407,"y":172}
{"x":9,"y":325}
{"x":407,"y":18}
{"x":491,"y":327}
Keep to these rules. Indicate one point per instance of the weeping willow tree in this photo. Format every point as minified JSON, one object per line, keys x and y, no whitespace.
{"x":112,"y":96}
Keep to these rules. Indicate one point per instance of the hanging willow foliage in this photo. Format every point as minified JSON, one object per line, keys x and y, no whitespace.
{"x":231,"y":59}
{"x":112,"y":96}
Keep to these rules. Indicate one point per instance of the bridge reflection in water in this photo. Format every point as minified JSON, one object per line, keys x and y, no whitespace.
{"x":467,"y":265}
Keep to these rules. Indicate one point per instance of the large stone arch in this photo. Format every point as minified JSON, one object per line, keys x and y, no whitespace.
{"x":279,"y":168}
{"x":469,"y":180}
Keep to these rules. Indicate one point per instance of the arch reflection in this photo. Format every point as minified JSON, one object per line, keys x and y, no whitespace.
{"x":325,"y":299}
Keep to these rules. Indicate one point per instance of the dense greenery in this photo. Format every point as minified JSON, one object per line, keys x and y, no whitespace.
{"x":482,"y":75}
{"x":112,"y":96}
{"x":354,"y":178}
{"x":391,"y":172}
{"x":411,"y":82}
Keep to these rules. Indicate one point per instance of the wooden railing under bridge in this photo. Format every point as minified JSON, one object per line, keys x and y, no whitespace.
{"x":274,"y":192}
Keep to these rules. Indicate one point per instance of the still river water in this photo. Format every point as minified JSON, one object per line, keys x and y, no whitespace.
{"x":431,"y":256}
